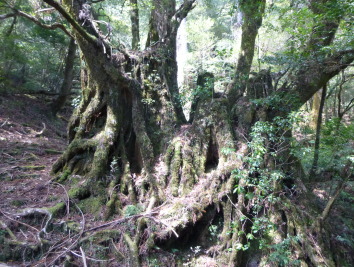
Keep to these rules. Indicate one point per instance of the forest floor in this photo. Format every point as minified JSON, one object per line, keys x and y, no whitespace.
{"x":30,"y":142}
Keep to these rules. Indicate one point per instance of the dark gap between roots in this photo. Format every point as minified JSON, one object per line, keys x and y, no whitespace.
{"x":212,"y":158}
{"x":134,"y":154}
{"x":203,"y":233}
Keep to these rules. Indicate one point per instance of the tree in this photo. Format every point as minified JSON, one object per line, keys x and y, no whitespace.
{"x":318,"y":132}
{"x":129,"y":137}
{"x":66,"y":86}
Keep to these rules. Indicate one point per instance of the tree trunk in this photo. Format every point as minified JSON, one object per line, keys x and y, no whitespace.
{"x":315,"y":107}
{"x":65,"y":88}
{"x":134,"y":18}
{"x":318,"y":134}
{"x":252,"y":12}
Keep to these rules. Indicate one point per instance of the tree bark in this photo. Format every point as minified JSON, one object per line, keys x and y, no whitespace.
{"x":134,"y":18}
{"x":66,"y":86}
{"x":314,"y":167}
{"x":315,"y":108}
{"x":252,"y":12}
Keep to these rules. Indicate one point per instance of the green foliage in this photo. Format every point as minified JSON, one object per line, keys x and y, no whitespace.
{"x":281,"y":253}
{"x":114,"y":167}
{"x":335,"y":147}
{"x":131,"y":210}
{"x":153,"y":262}
{"x":211,"y":45}
{"x":261,"y":175}
{"x":32,"y":57}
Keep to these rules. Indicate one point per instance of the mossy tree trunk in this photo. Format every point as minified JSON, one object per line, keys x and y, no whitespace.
{"x":314,"y":166}
{"x":134,"y":18}
{"x":66,"y":86}
{"x":129,"y":136}
{"x":252,"y":12}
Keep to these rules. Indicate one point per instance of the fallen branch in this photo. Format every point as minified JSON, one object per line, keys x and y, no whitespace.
{"x":2,"y":125}
{"x":67,"y":197}
{"x":38,"y":134}
{"x":89,"y":258}
{"x":115,"y":222}
{"x":121,"y":220}
{"x":83,"y":257}
{"x":17,"y":221}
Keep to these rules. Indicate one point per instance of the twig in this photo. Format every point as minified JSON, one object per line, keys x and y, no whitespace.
{"x":114,"y":222}
{"x":117,"y":250}
{"x":8,"y":155}
{"x":75,"y":242}
{"x":83,"y":257}
{"x":164,"y":223}
{"x":23,"y":234}
{"x":2,"y":125}
{"x":67,"y":197}
{"x":25,"y":224}
{"x":89,"y":258}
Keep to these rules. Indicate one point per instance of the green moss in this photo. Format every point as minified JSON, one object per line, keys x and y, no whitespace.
{"x":79,"y":192}
{"x":57,"y":209}
{"x":92,"y":205}
{"x":188,"y":171}
{"x":176,"y":165}
{"x":18,"y":202}
{"x":112,"y":206}
{"x":64,"y":176}
{"x":32,"y":167}
{"x":131,"y":210}
{"x":73,"y":226}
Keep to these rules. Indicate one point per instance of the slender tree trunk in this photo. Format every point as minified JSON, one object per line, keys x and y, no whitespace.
{"x":134,"y":18}
{"x":66,"y":86}
{"x":318,"y":134}
{"x":316,"y":101}
{"x":252,"y":12}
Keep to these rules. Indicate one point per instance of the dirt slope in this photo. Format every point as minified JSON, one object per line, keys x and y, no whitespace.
{"x":30,"y":141}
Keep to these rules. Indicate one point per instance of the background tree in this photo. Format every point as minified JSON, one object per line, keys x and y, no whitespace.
{"x":66,"y":86}
{"x":26,"y":67}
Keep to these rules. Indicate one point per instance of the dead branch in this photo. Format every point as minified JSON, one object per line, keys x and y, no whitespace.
{"x":67,"y":197}
{"x":89,"y":258}
{"x":53,"y":26}
{"x":17,"y":221}
{"x":83,"y":257}
{"x":38,"y":134}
